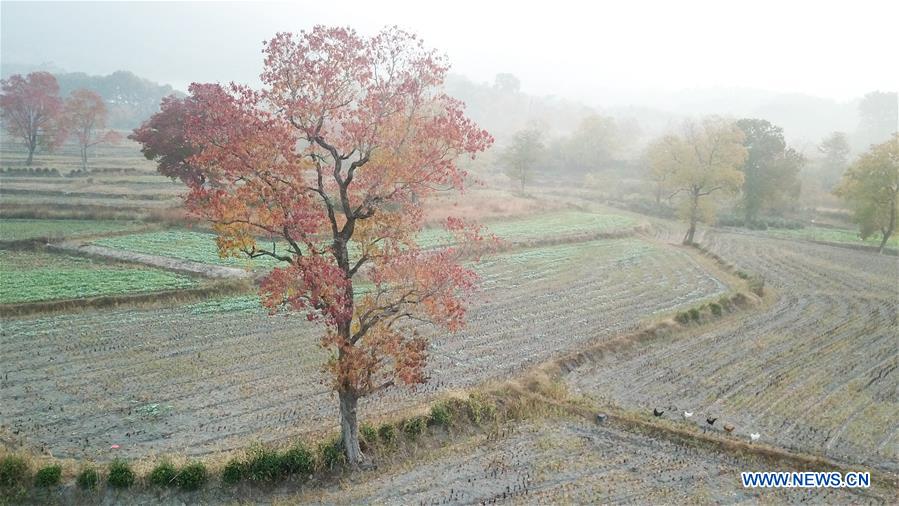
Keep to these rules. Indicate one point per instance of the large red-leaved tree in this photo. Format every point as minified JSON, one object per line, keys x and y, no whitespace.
{"x":30,"y":107}
{"x":327,"y":170}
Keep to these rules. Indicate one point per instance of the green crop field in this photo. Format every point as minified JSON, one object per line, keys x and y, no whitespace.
{"x":833,"y":235}
{"x":182,"y":244}
{"x":17,"y":230}
{"x":201,"y":247}
{"x":33,"y":276}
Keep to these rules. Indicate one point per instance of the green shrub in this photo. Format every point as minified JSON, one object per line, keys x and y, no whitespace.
{"x":13,"y":472}
{"x":414,"y":427}
{"x":440,"y":414}
{"x":88,"y":479}
{"x":48,"y":476}
{"x":263,"y":464}
{"x":387,"y":433}
{"x":120,"y":474}
{"x":480,"y":409}
{"x":369,"y":434}
{"x":233,"y":471}
{"x":332,"y":454}
{"x":191,"y":476}
{"x":742,"y":275}
{"x":694,"y":314}
{"x":163,"y":475}
{"x":297,"y":460}
{"x":716,"y":308}
{"x":683,"y":318}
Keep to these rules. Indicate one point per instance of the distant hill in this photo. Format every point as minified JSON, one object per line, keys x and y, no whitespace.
{"x":131,"y":99}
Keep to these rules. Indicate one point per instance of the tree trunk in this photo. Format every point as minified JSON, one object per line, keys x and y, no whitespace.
{"x":694,"y":208}
{"x":888,"y":232}
{"x":349,"y":428}
{"x":84,"y":157}
{"x":688,"y":239}
{"x":30,"y":155}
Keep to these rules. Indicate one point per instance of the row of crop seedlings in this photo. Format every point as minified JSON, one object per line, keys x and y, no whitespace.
{"x":260,"y":463}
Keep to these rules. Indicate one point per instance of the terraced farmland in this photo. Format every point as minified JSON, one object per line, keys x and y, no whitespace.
{"x":184,"y":380}
{"x":25,"y":229}
{"x":200,"y":246}
{"x":573,"y":462}
{"x":560,"y":224}
{"x":30,"y":276}
{"x":816,"y":372}
{"x":181,"y":244}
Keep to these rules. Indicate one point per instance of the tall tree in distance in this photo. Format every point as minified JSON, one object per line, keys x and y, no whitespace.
{"x":592,"y":145}
{"x":834,"y":151}
{"x":871,"y":189}
{"x":522,"y":156}
{"x":661,"y":157}
{"x":705,"y":161}
{"x":878,"y":117}
{"x":507,"y":83}
{"x":327,"y":170}
{"x":30,"y":108}
{"x":771,"y":169}
{"x":84,"y":116}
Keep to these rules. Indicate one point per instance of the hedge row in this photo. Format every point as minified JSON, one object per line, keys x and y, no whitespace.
{"x":260,"y":463}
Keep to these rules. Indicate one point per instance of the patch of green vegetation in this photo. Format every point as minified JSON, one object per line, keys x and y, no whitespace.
{"x":297,"y":460}
{"x":30,"y":276}
{"x":25,"y":229}
{"x":183,"y":244}
{"x":833,"y":235}
{"x":13,"y":472}
{"x":233,"y":472}
{"x":441,"y":415}
{"x":48,"y":476}
{"x":238,"y":303}
{"x":387,"y":433}
{"x":120,"y":474}
{"x":331,"y":453}
{"x":88,"y":479}
{"x":163,"y":475}
{"x":480,"y":409}
{"x":414,"y":427}
{"x":263,"y":464}
{"x":192,"y":476}
{"x":201,"y":246}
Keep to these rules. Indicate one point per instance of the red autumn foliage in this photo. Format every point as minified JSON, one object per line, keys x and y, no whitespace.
{"x":162,"y":139}
{"x":30,"y":109}
{"x":328,"y":169}
{"x":84,"y":116}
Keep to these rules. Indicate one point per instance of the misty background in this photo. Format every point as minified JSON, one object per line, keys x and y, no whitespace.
{"x":648,"y":64}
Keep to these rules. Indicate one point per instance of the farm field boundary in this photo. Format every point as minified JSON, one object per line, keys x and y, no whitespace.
{"x":181,"y":295}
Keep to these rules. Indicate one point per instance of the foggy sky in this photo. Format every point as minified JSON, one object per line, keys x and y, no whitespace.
{"x":614,"y":53}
